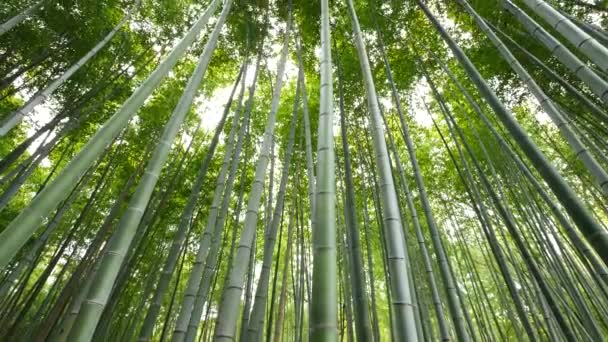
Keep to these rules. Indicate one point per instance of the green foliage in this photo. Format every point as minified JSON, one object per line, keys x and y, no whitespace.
{"x":53,"y":38}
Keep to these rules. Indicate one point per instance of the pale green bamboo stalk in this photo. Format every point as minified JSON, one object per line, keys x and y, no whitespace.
{"x":363,"y":328}
{"x":309,"y":161}
{"x":278,"y":328}
{"x":323,"y":314}
{"x":114,"y":256}
{"x":197,"y":275}
{"x":428,"y":213}
{"x":15,"y":117}
{"x":231,"y":297}
{"x":19,"y":18}
{"x":212,"y":255}
{"x":255,"y":329}
{"x":426,"y":259}
{"x":184,"y":225}
{"x":579,"y":38}
{"x":578,"y":67}
{"x":404,"y":322}
{"x":16,"y":234}
{"x":209,"y":272}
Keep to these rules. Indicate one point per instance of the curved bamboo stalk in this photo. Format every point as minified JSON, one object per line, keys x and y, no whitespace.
{"x":357,"y":273}
{"x":184,"y":224}
{"x":258,"y":313}
{"x":212,"y":256}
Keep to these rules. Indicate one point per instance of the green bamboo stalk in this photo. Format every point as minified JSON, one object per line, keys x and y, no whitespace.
{"x":19,"y":18}
{"x":184,"y":224}
{"x":323,"y":310}
{"x":231,"y":297}
{"x":258,"y":313}
{"x":583,"y":42}
{"x":16,"y":234}
{"x":357,"y":273}
{"x":404,"y":324}
{"x":15,"y":117}
{"x":587,"y":224}
{"x":278,"y":328}
{"x":211,"y":261}
{"x":578,"y":67}
{"x":114,"y":256}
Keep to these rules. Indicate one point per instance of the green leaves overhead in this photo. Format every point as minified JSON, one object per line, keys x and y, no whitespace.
{"x":464,"y":200}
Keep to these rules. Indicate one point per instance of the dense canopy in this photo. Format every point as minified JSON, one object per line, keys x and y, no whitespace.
{"x":289,"y":170}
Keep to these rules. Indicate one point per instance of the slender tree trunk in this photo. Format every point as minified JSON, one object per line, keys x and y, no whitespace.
{"x":256,"y":323}
{"x":404,"y":326}
{"x":14,"y":236}
{"x":114,"y":256}
{"x":278,"y":328}
{"x":231,"y":296}
{"x":15,"y":117}
{"x":19,"y":18}
{"x":356,"y":270}
{"x":211,"y":263}
{"x":323,"y":314}
{"x":193,"y":286}
{"x":184,"y":225}
{"x":587,"y":224}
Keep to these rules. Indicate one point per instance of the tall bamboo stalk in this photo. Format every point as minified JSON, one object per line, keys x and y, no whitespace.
{"x":228,"y":310}
{"x":404,"y":324}
{"x":14,"y":236}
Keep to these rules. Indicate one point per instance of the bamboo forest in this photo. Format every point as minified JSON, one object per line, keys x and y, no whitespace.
{"x":297,"y":170}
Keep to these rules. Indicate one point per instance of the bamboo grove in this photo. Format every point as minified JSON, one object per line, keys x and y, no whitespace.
{"x":230,"y":170}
